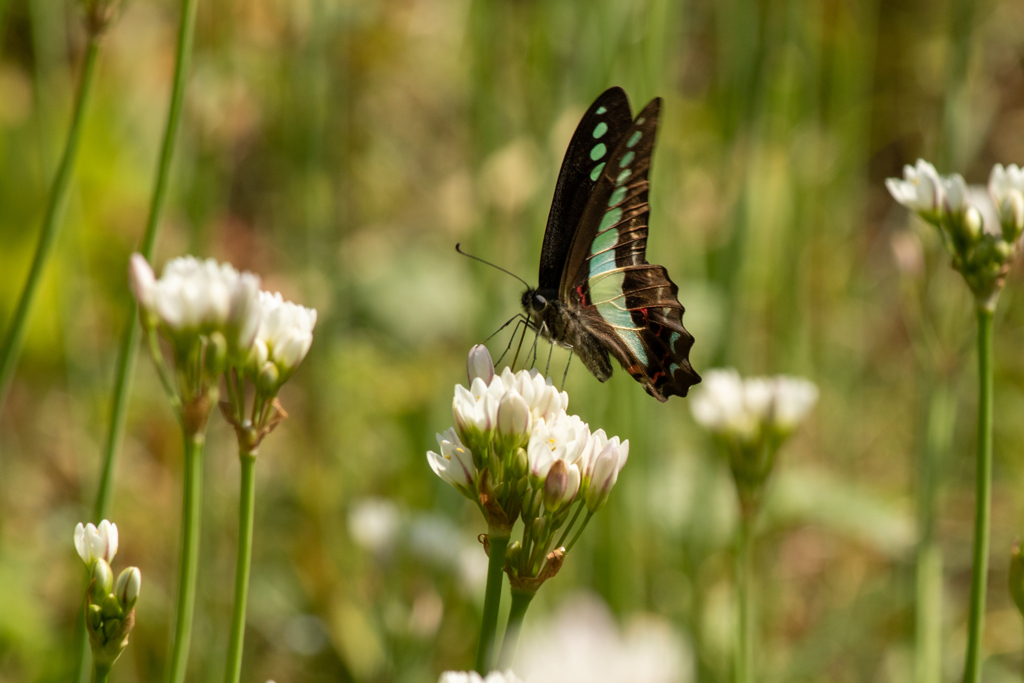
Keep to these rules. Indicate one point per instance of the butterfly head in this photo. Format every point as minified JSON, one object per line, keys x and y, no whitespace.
{"x":534,"y":302}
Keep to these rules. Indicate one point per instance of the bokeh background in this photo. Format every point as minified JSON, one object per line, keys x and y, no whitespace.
{"x":340,"y":148}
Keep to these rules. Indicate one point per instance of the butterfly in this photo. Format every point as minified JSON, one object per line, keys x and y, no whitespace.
{"x":597,"y":294}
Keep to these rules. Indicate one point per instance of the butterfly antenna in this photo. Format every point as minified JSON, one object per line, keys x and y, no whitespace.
{"x":458,"y":248}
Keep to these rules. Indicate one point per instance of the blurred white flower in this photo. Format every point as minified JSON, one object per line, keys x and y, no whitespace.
{"x":1006,"y":187}
{"x":954,"y":189}
{"x":96,"y":542}
{"x":374,"y":524}
{"x":191,"y":295}
{"x":921,"y":188}
{"x":284,"y":334}
{"x":728,"y":405}
{"x":474,"y":677}
{"x":454,"y":464}
{"x":582,"y":643}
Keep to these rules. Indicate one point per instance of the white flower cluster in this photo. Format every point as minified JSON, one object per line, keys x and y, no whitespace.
{"x":195,"y":297}
{"x":474,"y":677}
{"x":501,"y":414}
{"x":731,"y":406}
{"x":934,"y":196}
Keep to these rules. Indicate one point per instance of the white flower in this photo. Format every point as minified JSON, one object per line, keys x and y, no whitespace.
{"x":374,"y":524}
{"x":455,"y":462}
{"x":793,"y":399}
{"x":94,"y":543}
{"x":954,"y":188}
{"x":244,"y":313}
{"x":607,"y":459}
{"x":514,"y":419}
{"x":474,"y":677}
{"x":475,"y":411}
{"x":720,"y":404}
{"x":479,"y":364}
{"x":1006,"y":187}
{"x":563,"y":438}
{"x":285,"y":333}
{"x":920,"y":190}
{"x":544,"y":400}
{"x":729,"y":405}
{"x":583,"y":643}
{"x":1002,"y":181}
{"x":192,"y":295}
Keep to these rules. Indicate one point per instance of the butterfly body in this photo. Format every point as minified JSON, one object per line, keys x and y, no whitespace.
{"x":597,"y":294}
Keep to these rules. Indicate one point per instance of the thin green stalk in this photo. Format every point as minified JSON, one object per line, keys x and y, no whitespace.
{"x":579,"y":532}
{"x":246,"y":507}
{"x":492,"y":598}
{"x":189,"y":563}
{"x":126,"y":355}
{"x":983,"y":498}
{"x":517,"y":612}
{"x":744,"y":576}
{"x":52,"y":221}
{"x":101,"y":674}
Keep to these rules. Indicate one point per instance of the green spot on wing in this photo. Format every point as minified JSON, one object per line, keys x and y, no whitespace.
{"x":610,"y":218}
{"x":600,"y":129}
{"x":634,"y":138}
{"x":617,"y":196}
{"x":602,"y":263}
{"x":598,"y":151}
{"x":605,"y":240}
{"x":601,"y":110}
{"x":622,"y":176}
{"x":632,"y":340}
{"x":673,"y":339}
{"x":627,"y":159}
{"x":596,"y":173}
{"x":606,"y":288}
{"x":615,"y":316}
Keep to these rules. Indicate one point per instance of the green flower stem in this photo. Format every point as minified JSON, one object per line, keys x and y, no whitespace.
{"x":101,"y":674}
{"x":190,"y":513}
{"x":744,"y":651}
{"x":52,"y":220}
{"x":127,"y":353}
{"x":246,"y":507}
{"x":520,"y":602}
{"x":498,"y":540}
{"x":983,"y":498}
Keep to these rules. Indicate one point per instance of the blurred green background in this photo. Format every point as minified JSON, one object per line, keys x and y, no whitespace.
{"x":340,"y":148}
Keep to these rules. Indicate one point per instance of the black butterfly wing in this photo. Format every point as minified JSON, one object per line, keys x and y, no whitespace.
{"x":630,"y":305}
{"x":595,"y":138}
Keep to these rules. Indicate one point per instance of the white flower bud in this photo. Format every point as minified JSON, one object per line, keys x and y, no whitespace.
{"x":605,"y":472}
{"x":285,"y":330}
{"x":513,"y":420}
{"x":142,"y":281}
{"x":479,"y":364}
{"x":1011,"y":215}
{"x":127,"y":589}
{"x":103,"y":579}
{"x":973,"y":223}
{"x":955,"y":190}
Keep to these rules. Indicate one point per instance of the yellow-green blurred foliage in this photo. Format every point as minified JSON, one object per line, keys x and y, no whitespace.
{"x":340,"y":148}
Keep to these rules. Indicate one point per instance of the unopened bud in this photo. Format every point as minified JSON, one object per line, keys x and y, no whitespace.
{"x":479,"y":364}
{"x":216,"y":353}
{"x":972,"y":224}
{"x":128,"y":585}
{"x":103,"y":580}
{"x":110,"y":608}
{"x":269,"y":377}
{"x":110,"y":628}
{"x":94,"y":615}
{"x":1012,"y":215}
{"x":555,"y":485}
{"x":1003,"y":250}
{"x":512,"y":553}
{"x":520,"y":465}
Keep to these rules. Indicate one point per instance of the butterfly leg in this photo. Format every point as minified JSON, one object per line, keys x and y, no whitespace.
{"x":533,"y":349}
{"x":520,"y":347}
{"x":519,"y":320}
{"x":566,"y":374}
{"x":551,"y":350}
